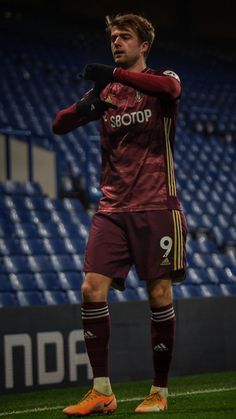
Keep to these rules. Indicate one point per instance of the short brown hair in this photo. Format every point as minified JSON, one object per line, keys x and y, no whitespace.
{"x":140,"y":25}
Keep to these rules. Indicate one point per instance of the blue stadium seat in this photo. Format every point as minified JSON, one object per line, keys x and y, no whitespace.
{"x":37,"y":203}
{"x":6,"y":229}
{"x":224,"y":220}
{"x":81,"y":217}
{"x":226,"y":208}
{"x":131,"y":294}
{"x":178,"y":292}
{"x":23,"y":282}
{"x":55,"y":297}
{"x":210,"y":290}
{"x":116,"y":296}
{"x":224,"y":236}
{"x":66,"y":263}
{"x":30,"y":298}
{"x":25,"y":230}
{"x":194,"y":222}
{"x":201,"y":246}
{"x":61,"y":217}
{"x":187,"y":291}
{"x":47,"y":281}
{"x":131,"y":280}
{"x":196,"y":276}
{"x":142,"y":293}
{"x":18,"y":203}
{"x":199,"y":260}
{"x":74,"y":296}
{"x":40,"y":263}
{"x":40,"y":217}
{"x":216,"y":275}
{"x":36,"y":246}
{"x":113,"y":296}
{"x":5,"y":284}
{"x":228,"y":290}
{"x":5,"y":215}
{"x":49,"y":229}
{"x":230,"y":273}
{"x":10,"y":187}
{"x":13,"y":264}
{"x":215,"y":260}
{"x":4,"y":251}
{"x":212,"y":207}
{"x":16,"y":247}
{"x":221,"y":260}
{"x":70,"y":280}
{"x":57,"y":246}
{"x":198,"y":207}
{"x":72,"y":230}
{"x":56,"y":204}
{"x":8,"y":299}
{"x":64,"y":246}
{"x":75,"y":245}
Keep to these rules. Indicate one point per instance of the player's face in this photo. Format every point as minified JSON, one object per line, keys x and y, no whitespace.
{"x":126,"y":47}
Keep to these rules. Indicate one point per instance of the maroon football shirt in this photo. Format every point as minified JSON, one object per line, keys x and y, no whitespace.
{"x":137,"y":141}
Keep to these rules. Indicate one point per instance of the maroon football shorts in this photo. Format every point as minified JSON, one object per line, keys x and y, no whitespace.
{"x":153,"y":241}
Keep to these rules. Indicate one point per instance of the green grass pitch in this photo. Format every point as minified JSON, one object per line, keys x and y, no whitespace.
{"x":203,"y":396}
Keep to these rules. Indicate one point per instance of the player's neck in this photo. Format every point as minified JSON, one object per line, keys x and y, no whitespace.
{"x":138,"y":66}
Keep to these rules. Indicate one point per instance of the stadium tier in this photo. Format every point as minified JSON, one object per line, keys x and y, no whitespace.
{"x":42,"y":240}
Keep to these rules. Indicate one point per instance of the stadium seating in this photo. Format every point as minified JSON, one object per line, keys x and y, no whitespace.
{"x":8,"y":299}
{"x":42,"y":240}
{"x":55,"y":297}
{"x":23,"y":282}
{"x":74,"y":296}
{"x":30,"y":298}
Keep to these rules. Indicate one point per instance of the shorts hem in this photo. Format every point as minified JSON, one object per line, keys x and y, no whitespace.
{"x":175,"y":276}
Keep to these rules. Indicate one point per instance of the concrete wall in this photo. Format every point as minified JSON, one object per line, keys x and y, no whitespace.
{"x":3,"y":169}
{"x":20,"y":159}
{"x":44,"y":170}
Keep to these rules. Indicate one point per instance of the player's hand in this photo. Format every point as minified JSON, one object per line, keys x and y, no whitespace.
{"x":101,"y":74}
{"x":92,"y":106}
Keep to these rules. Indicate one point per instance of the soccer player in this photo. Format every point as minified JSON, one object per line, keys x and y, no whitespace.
{"x":139,"y":220}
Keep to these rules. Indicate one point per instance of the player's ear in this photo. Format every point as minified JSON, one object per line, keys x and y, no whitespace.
{"x":144,"y":47}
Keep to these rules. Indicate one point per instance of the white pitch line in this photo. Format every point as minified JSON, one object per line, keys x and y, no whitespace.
{"x":187,"y":393}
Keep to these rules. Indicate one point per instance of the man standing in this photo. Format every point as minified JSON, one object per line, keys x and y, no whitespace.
{"x":139,"y":220}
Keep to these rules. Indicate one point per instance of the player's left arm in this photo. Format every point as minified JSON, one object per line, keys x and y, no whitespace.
{"x":166,"y":84}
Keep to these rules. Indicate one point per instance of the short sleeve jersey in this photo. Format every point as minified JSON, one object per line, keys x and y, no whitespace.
{"x":137,"y":146}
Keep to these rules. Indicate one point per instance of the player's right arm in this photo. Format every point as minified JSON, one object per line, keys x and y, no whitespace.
{"x":89,"y":108}
{"x":67,"y":120}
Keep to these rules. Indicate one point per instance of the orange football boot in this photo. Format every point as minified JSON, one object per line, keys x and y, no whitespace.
{"x":153,"y":403}
{"x":92,"y":402}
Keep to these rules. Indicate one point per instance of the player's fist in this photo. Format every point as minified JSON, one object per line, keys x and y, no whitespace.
{"x":92,"y":106}
{"x":99,"y":73}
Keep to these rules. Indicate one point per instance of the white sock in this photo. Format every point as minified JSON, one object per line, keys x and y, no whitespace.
{"x":103,"y":385}
{"x":162,"y":390}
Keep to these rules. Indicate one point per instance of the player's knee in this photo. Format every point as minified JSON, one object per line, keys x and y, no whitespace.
{"x":89,"y":292}
{"x":86,"y":290}
{"x":93,"y":291}
{"x":161,"y":295}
